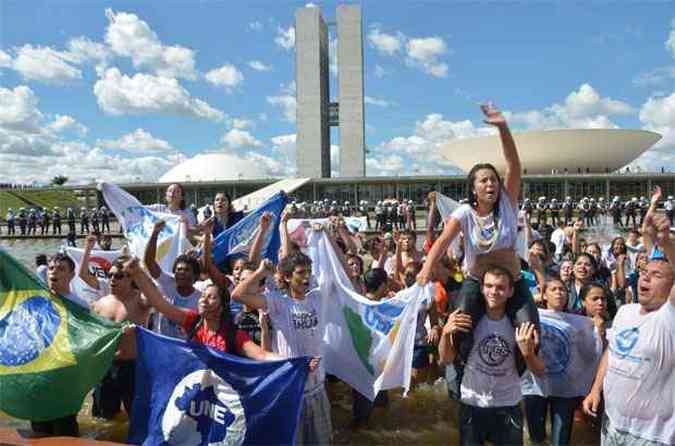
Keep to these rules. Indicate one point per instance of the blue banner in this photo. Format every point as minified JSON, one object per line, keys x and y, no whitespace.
{"x":188,"y":394}
{"x":238,"y":239}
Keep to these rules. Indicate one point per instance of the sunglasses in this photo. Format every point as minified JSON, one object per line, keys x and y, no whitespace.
{"x":117,"y":276}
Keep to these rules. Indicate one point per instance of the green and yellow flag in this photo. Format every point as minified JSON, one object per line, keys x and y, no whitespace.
{"x":52,"y":351}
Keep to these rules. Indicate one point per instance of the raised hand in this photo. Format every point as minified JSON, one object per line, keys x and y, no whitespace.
{"x":527,"y":339}
{"x":457,"y":322}
{"x":158,"y":226}
{"x":314,"y":363}
{"x":656,"y":196}
{"x":266,"y":265}
{"x":492,"y":115}
{"x":265,"y":220}
{"x":132,"y":266}
{"x":285,"y":216}
{"x":207,"y":225}
{"x":89,"y":242}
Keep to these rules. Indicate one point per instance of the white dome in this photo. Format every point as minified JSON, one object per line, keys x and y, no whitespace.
{"x":213,"y":167}
{"x":541,"y":151}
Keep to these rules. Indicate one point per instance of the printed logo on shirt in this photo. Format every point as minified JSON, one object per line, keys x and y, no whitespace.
{"x":625,"y":341}
{"x":304,"y":320}
{"x":493,"y":350}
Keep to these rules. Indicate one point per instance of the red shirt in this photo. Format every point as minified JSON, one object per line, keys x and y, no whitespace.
{"x":217,"y":340}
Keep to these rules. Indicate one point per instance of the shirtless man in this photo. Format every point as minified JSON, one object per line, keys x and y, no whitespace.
{"x":124,"y":303}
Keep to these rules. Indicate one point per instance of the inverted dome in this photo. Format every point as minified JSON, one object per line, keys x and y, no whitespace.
{"x":213,"y":167}
{"x":597,"y":150}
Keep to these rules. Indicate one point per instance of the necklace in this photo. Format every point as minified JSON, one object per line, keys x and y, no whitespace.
{"x":485,"y":231}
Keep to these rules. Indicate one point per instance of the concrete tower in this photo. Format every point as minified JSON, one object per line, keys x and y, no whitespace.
{"x":315,"y":113}
{"x":311,"y":74}
{"x":350,"y":90}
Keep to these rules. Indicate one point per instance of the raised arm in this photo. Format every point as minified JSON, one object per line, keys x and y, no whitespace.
{"x":431,"y":219}
{"x":647,"y":240}
{"x":512,"y":180}
{"x":218,"y":277}
{"x":247,"y":290}
{"x":84,"y":272}
{"x":152,"y":293}
{"x":256,"y":248}
{"x":346,"y":237}
{"x":439,"y":248}
{"x":149,"y":257}
{"x":285,"y":239}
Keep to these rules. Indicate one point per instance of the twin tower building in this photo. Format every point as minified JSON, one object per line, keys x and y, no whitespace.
{"x":315,"y":113}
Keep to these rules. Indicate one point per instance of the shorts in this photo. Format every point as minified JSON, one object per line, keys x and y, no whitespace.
{"x":117,"y":387}
{"x":421,"y":356}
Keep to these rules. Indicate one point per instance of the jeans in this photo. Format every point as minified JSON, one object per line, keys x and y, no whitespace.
{"x":499,"y":425}
{"x":562,"y":418}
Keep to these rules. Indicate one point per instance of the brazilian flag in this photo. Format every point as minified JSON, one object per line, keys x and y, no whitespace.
{"x":52,"y":351}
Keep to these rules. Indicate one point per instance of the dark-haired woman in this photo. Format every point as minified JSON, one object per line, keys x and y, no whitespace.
{"x":175,"y":204}
{"x":210,"y":325}
{"x":224,"y":214}
{"x":490,"y":228}
{"x":560,"y":387}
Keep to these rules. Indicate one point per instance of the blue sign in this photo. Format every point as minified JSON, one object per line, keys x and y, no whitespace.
{"x":187,"y":393}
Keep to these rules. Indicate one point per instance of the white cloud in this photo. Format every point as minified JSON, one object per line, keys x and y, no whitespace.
{"x":227,"y":76}
{"x":18,"y":109}
{"x":658,"y":115}
{"x":139,"y":141}
{"x":424,"y":53}
{"x":236,"y":138}
{"x":384,"y":43}
{"x":419,"y":154}
{"x":584,"y":108}
{"x":284,"y":142}
{"x":255,"y":26}
{"x":286,"y":101}
{"x":670,"y":43}
{"x":285,"y":37}
{"x":239,"y":123}
{"x":62,"y":123}
{"x":83,"y":50}
{"x":655,"y":77}
{"x":311,"y":5}
{"x":375,"y":101}
{"x":5,"y":60}
{"x":119,"y":94}
{"x":45,"y":65}
{"x":380,"y":72}
{"x":259,"y":66}
{"x":132,"y":37}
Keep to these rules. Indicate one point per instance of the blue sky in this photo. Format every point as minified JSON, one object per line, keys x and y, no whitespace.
{"x":125,"y":90}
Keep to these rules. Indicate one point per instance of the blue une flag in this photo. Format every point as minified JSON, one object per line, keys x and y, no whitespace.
{"x":238,"y":239}
{"x":188,"y":394}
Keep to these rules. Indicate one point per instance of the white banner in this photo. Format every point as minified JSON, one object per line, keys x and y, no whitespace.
{"x":571,"y":350}
{"x":138,"y":221}
{"x":367,"y":344}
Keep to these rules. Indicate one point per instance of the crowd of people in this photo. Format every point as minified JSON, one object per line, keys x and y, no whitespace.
{"x":483,"y":331}
{"x":43,"y":221}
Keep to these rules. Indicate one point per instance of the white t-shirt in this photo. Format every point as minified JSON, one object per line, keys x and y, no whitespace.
{"x":490,"y":376}
{"x":558,"y":238}
{"x":478,"y":230}
{"x":167,"y":285}
{"x":298,"y":328}
{"x":639,"y":387}
{"x":159,"y":207}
